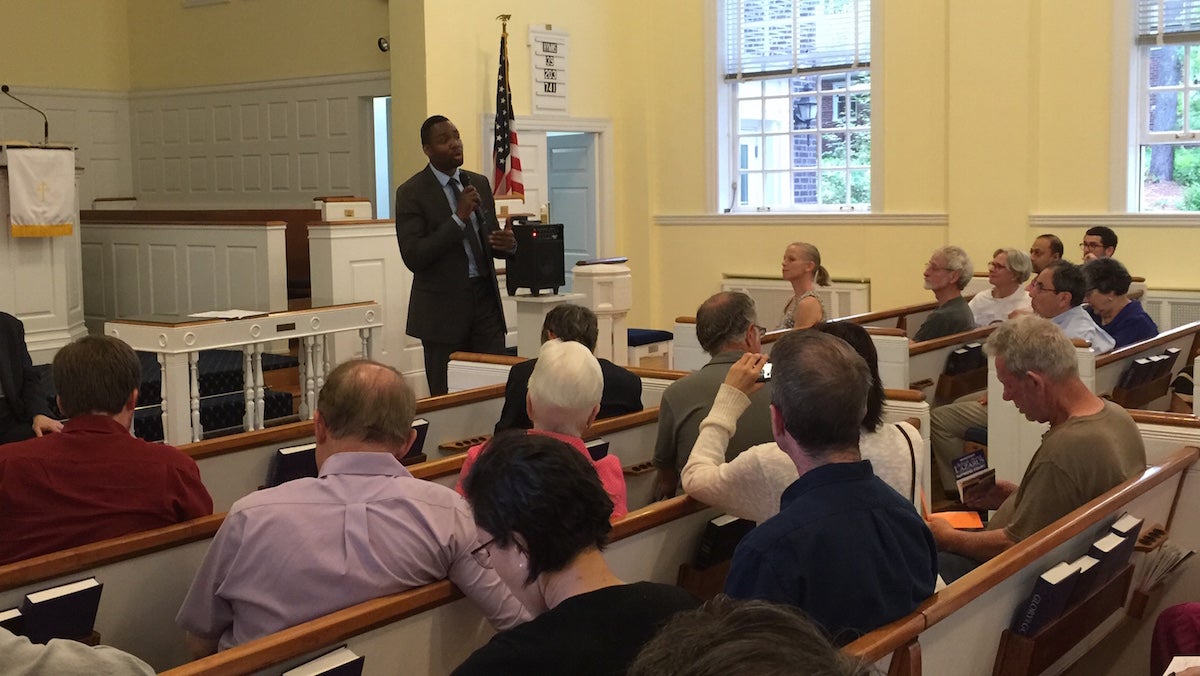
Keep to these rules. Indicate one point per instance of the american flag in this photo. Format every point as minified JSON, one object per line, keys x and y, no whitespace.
{"x":506,"y":179}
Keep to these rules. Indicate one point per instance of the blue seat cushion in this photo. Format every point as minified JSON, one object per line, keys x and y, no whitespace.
{"x":646,"y":336}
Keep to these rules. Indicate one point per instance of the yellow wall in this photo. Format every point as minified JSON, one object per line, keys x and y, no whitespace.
{"x":72,"y":44}
{"x":239,"y":41}
{"x":985,"y":114}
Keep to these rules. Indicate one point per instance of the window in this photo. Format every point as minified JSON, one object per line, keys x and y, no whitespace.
{"x":1168,"y":121}
{"x":798,"y":86}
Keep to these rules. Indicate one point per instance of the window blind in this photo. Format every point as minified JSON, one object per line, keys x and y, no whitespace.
{"x":773,"y":38}
{"x":1168,"y":21}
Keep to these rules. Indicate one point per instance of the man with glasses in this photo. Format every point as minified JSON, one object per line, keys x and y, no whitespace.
{"x":1098,"y":242}
{"x":366,"y":528}
{"x":947,"y":273}
{"x":727,"y":327}
{"x":1056,"y":294}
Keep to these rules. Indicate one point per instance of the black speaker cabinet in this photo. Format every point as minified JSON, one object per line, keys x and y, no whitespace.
{"x":538,"y":263}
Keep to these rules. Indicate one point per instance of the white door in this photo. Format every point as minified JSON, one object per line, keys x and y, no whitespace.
{"x":571,"y":180}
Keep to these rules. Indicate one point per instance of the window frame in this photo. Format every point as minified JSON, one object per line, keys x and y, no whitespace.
{"x":728,"y":137}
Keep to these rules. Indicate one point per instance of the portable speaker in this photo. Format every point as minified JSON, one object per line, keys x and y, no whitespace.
{"x":538,"y":263}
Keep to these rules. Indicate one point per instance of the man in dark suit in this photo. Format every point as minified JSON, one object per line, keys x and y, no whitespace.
{"x":622,"y":390}
{"x":448,"y":233}
{"x":24,"y":411}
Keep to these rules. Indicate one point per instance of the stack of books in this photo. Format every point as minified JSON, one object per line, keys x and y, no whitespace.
{"x":65,"y":611}
{"x":1070,"y":582}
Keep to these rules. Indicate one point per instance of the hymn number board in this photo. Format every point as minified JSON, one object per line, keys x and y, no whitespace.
{"x":548,"y":59}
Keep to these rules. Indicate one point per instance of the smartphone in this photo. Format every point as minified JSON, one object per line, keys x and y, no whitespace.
{"x":765,"y":375}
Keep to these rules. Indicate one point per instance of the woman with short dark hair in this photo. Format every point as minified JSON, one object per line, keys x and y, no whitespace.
{"x":1109,"y":304}
{"x":543,"y":518}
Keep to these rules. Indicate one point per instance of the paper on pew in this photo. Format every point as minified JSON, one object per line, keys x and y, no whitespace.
{"x":1181,"y":662}
{"x":960,"y":520}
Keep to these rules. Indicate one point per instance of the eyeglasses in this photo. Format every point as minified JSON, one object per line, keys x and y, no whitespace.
{"x":1039,"y":287}
{"x":1088,"y":246}
{"x":482,"y":555}
{"x":935,"y":267}
{"x":993,"y":265}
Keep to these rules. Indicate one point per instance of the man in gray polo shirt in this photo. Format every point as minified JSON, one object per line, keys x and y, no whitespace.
{"x":727,"y":327}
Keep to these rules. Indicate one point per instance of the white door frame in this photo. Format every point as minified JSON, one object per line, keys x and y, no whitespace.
{"x":606,"y":236}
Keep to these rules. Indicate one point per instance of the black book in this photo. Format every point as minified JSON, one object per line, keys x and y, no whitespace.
{"x":421,"y":425}
{"x":65,"y":611}
{"x":292,"y":462}
{"x":12,"y":620}
{"x":1049,"y":599}
{"x":1127,"y":525}
{"x":721,"y":536}
{"x":597,"y":448}
{"x":1113,"y":551}
{"x":339,"y":662}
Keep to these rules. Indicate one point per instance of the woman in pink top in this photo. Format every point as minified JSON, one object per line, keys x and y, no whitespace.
{"x":563,"y":400}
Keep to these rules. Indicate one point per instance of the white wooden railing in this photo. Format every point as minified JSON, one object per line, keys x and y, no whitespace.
{"x":178,"y":344}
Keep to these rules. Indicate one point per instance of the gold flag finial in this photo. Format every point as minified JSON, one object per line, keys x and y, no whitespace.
{"x":503,"y":17}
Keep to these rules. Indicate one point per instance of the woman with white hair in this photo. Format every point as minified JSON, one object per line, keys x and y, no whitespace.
{"x":563,"y":401}
{"x":1007,"y":274}
{"x":802,"y":268}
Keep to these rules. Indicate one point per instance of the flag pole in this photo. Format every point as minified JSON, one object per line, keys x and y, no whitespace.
{"x":507,"y":180}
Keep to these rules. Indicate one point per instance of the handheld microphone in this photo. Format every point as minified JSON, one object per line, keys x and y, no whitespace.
{"x":466,"y":181}
{"x":45,"y":120}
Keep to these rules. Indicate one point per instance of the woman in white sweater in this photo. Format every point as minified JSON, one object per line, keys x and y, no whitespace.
{"x":750,"y":485}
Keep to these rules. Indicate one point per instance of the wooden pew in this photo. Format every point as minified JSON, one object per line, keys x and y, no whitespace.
{"x":165,"y":559}
{"x":474,"y":369}
{"x":234,"y":466}
{"x":958,"y":629}
{"x":430,"y":630}
{"x":905,"y":365}
{"x":1109,"y":367}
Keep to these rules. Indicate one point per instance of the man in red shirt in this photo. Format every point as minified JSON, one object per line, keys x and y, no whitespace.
{"x":93,"y":480}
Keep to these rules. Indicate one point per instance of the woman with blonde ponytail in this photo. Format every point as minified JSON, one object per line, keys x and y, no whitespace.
{"x":802,"y":267}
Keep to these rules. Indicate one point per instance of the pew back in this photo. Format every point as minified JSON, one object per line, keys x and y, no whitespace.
{"x":142,"y":624}
{"x":235,"y":466}
{"x":430,"y":632}
{"x":959,"y":627}
{"x":1110,"y":367}
{"x":473,"y":370}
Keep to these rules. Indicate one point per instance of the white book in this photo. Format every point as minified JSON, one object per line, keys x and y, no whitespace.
{"x":288,"y":450}
{"x":324,"y":663}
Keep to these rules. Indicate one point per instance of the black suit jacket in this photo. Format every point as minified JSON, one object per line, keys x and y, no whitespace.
{"x":431,"y":244}
{"x":622,"y":394}
{"x":23,"y":393}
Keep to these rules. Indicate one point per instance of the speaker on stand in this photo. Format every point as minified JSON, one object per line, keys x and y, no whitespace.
{"x":538,"y":263}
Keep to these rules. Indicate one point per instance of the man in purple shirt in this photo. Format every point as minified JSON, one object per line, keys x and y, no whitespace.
{"x":364,"y":528}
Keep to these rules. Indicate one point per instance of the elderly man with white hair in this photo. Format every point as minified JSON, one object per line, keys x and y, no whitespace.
{"x":563,"y":400}
{"x":947,"y":273}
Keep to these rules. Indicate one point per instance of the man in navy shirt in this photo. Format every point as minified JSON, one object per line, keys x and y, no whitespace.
{"x":845,"y":547}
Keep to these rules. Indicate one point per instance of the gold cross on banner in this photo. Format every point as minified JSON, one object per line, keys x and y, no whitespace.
{"x":41,"y":191}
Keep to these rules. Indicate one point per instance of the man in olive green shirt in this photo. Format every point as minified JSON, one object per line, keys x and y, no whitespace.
{"x":1092,"y":445}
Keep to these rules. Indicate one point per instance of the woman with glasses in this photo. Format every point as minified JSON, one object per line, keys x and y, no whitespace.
{"x":802,"y":268}
{"x":1007,"y":271}
{"x":542,"y":517}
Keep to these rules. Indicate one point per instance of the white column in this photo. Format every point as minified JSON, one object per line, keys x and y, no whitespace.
{"x":608,"y":291}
